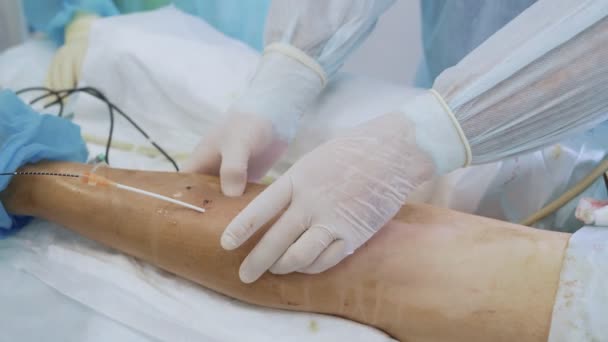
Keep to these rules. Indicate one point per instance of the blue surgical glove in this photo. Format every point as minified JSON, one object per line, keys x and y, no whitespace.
{"x":29,"y":137}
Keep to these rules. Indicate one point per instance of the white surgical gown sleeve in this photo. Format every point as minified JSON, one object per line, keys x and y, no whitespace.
{"x":306,"y":42}
{"x":541,"y":77}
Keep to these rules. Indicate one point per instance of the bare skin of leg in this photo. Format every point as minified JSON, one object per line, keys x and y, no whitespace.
{"x":430,"y":275}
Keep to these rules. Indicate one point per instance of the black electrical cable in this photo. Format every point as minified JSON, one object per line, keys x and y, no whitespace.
{"x":110,"y":112}
{"x":60,"y":95}
{"x":59,"y":101}
{"x":49,"y":93}
{"x":96,"y":93}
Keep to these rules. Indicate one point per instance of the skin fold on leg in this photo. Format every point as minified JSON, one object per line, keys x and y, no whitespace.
{"x":430,"y":275}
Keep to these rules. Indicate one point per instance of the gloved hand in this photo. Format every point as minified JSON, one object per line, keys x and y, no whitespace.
{"x":242,"y":147}
{"x":336,"y":198}
{"x":259,"y":126}
{"x":66,"y":66}
{"x":340,"y":194}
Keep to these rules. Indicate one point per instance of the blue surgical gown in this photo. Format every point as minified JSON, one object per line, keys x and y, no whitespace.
{"x":242,"y":20}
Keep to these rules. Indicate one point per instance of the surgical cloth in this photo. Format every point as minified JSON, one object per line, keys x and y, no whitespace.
{"x":29,"y":137}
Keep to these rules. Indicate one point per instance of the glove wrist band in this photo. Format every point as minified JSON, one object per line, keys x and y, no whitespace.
{"x":438,"y":132}
{"x":281,"y":90}
{"x":300,"y":56}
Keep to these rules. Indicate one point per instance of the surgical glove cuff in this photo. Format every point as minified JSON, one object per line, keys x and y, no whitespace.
{"x":285,"y":84}
{"x":438,"y":133}
{"x":80,"y":27}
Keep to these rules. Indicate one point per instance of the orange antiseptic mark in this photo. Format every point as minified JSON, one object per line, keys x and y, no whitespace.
{"x":95,"y":180}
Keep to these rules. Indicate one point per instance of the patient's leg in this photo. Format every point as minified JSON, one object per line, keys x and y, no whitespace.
{"x":430,"y":275}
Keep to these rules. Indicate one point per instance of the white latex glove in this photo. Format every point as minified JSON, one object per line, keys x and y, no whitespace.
{"x":336,"y":197}
{"x":339,"y":195}
{"x":260,"y":125}
{"x":66,"y":66}
{"x":241,"y":148}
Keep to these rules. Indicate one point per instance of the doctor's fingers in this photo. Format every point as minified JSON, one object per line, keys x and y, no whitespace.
{"x":204,"y":159}
{"x":234,"y":168}
{"x":275,"y":242}
{"x":306,"y":250}
{"x":266,"y":206}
